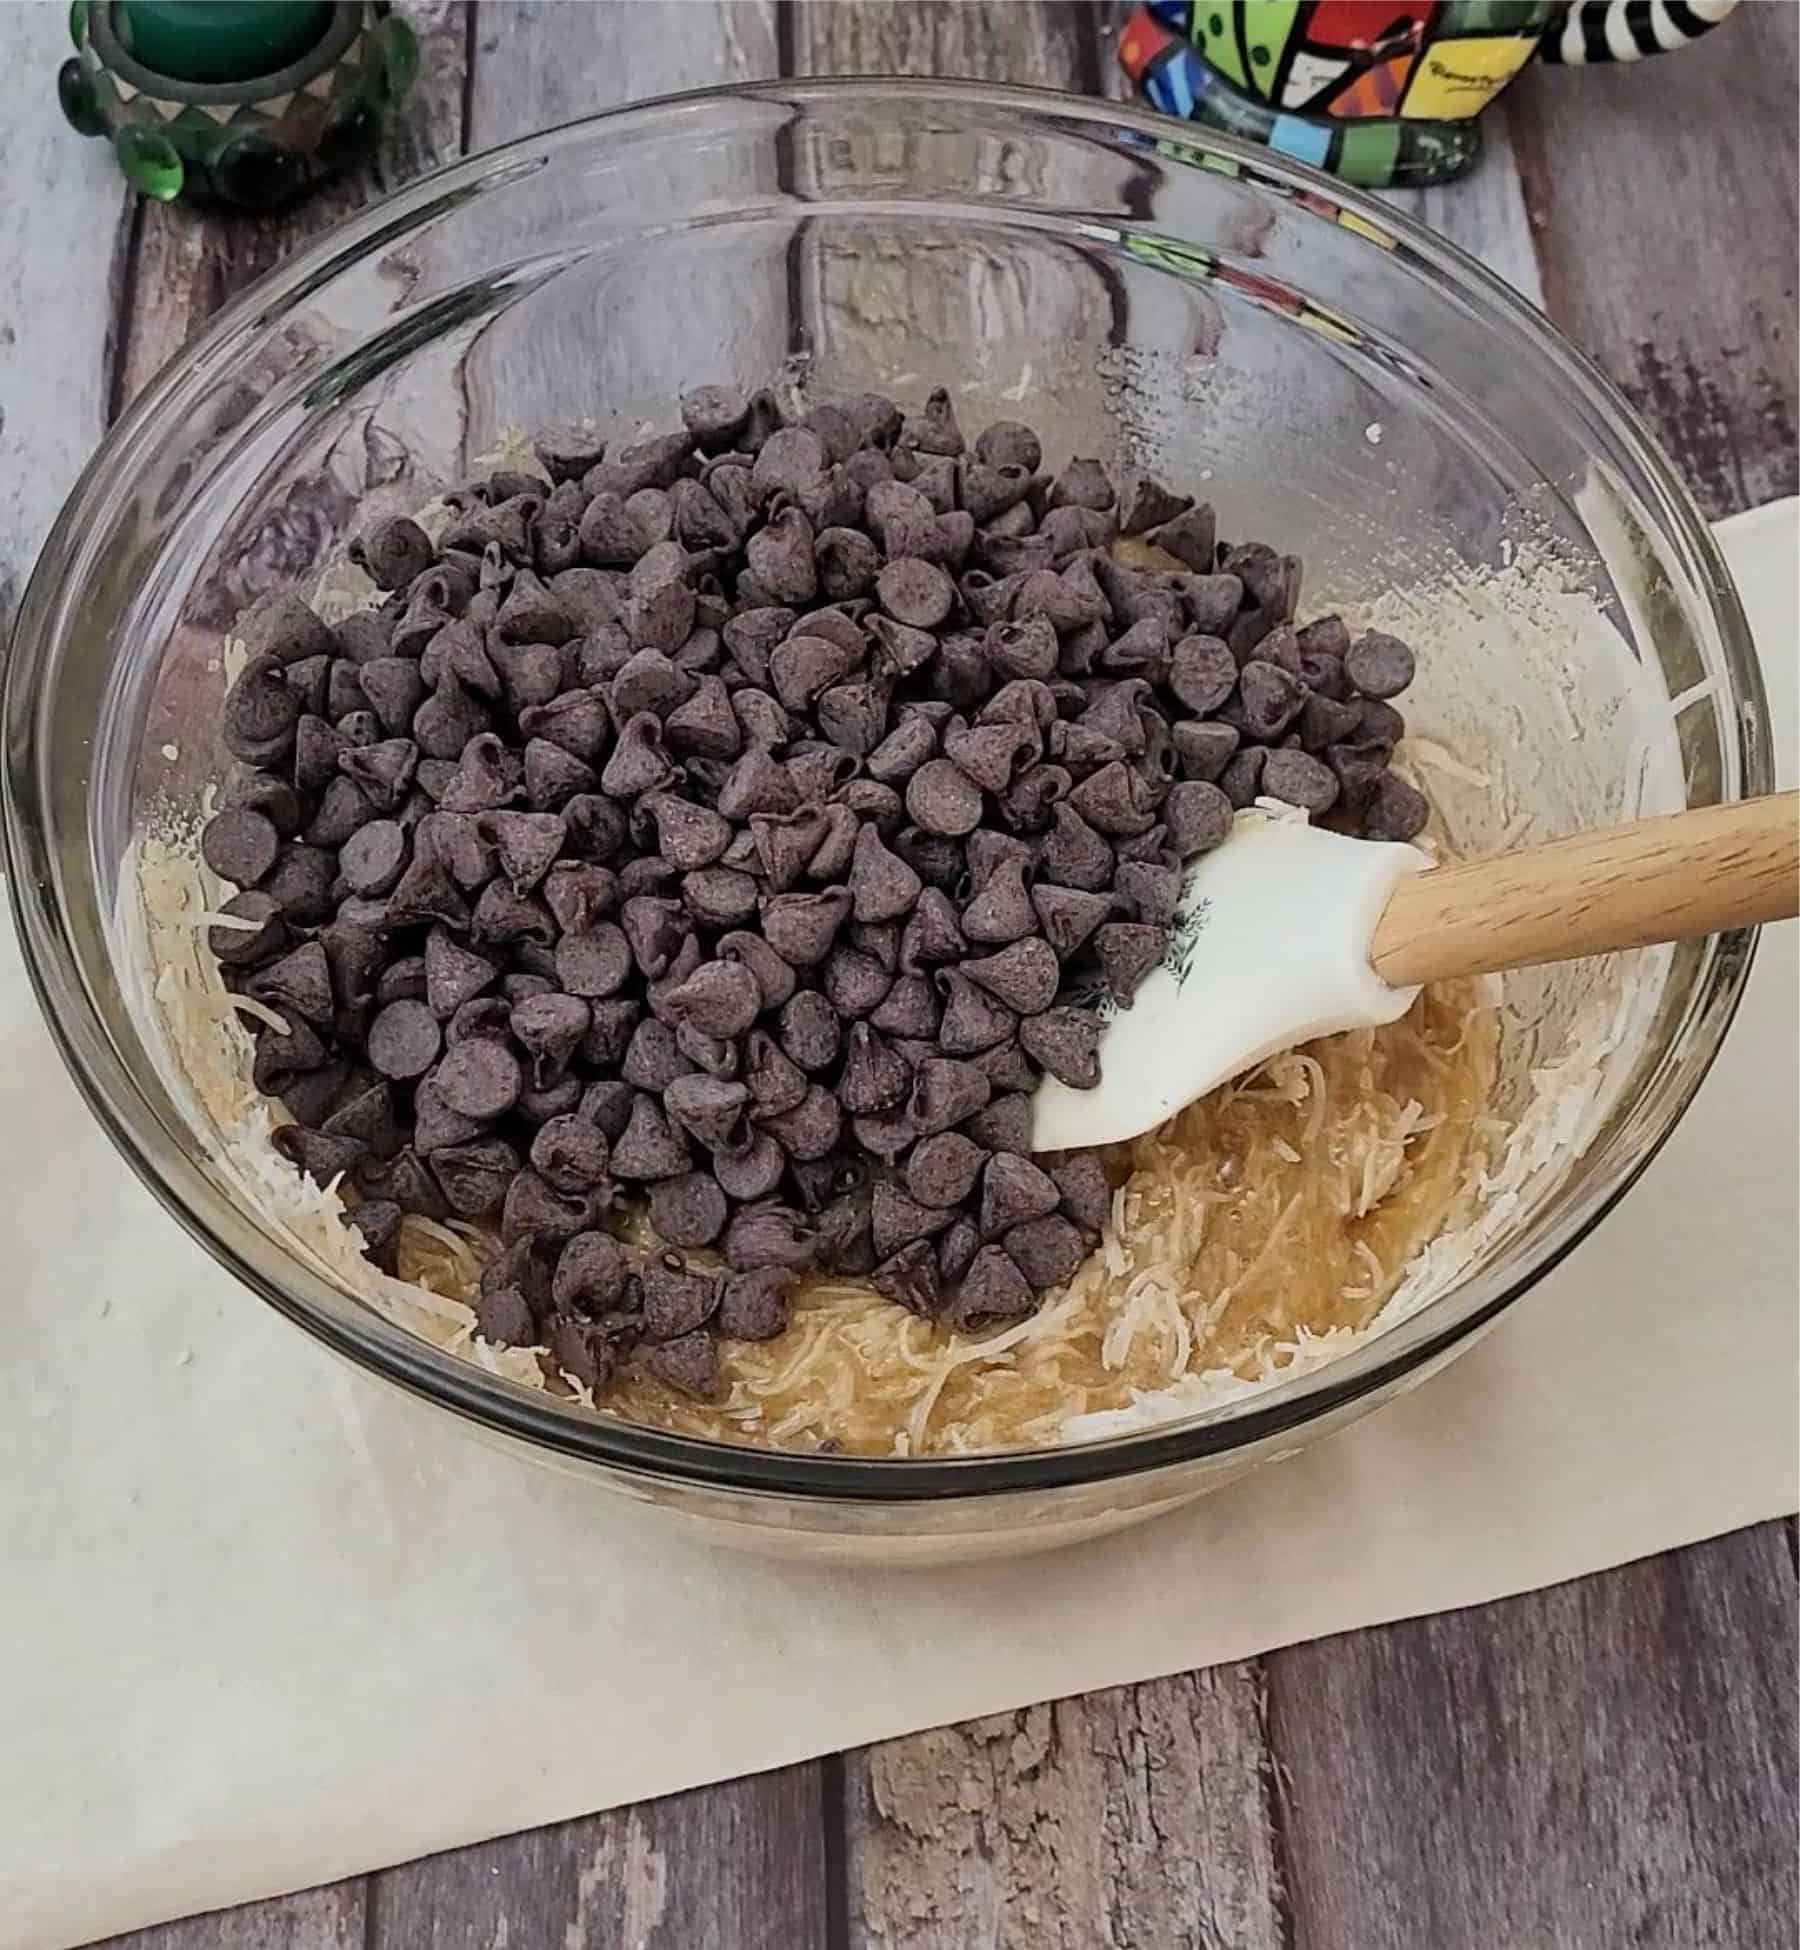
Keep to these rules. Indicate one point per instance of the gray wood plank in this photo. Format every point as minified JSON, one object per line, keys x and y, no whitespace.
{"x":621,"y":338}
{"x":332,"y":1918}
{"x":179,"y":263}
{"x":63,"y":205}
{"x":1047,"y":43}
{"x":741,"y":1864}
{"x":1607,"y":1762}
{"x":1663,"y":197}
{"x":1138,"y":1817}
{"x":986,"y":316}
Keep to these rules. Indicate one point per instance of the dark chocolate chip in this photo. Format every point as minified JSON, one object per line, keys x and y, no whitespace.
{"x":687,"y":1211}
{"x":535,"y":1209}
{"x":1271,"y":698}
{"x":909,"y":1278}
{"x":1395,"y":812}
{"x":721,"y":998}
{"x":1128,"y":950}
{"x":1300,"y":780}
{"x":1241,"y":780}
{"x":753,"y":1305}
{"x":946,"y":1092}
{"x":479,"y":1078}
{"x":943,"y":1169}
{"x":240,"y":845}
{"x":1013,"y":1190}
{"x":768,"y":1235}
{"x":1024,"y":975}
{"x":1198,"y":815}
{"x":591,"y":1274}
{"x":378,"y":1221}
{"x":321,"y":1155}
{"x":594,"y":963}
{"x":1066,"y":1042}
{"x":650,"y":1147}
{"x":1379,"y":665}
{"x":811,"y":1128}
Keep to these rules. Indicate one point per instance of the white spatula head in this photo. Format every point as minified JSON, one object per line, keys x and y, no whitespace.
{"x":1270,"y":948}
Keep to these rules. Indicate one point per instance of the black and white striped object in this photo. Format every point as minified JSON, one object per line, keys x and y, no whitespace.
{"x":1627,"y":30}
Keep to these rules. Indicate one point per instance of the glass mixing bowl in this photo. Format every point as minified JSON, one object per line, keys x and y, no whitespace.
{"x":1329,"y":373}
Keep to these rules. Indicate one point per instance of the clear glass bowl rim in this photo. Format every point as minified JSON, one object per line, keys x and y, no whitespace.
{"x":54,"y":966}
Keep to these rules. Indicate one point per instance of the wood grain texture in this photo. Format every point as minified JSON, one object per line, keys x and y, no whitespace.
{"x":1663,"y":197}
{"x":63,"y":205}
{"x":1669,"y":879}
{"x":332,"y":1918}
{"x":1053,"y":45}
{"x":902,"y":310}
{"x":740,"y":1864}
{"x":1129,"y":1819}
{"x":179,"y":263}
{"x":618,"y":337}
{"x":1608,"y":1762}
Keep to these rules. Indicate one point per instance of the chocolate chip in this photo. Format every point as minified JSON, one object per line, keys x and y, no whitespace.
{"x":244,"y":947}
{"x":1084,"y":1193}
{"x":972,"y":1020}
{"x":503,"y":1319}
{"x":722,"y":998}
{"x":320,"y":1155}
{"x":1300,"y":780}
{"x":909,"y":1278}
{"x":502,"y":916}
{"x":591,"y":1273}
{"x":260,"y":714}
{"x":535,"y":1209}
{"x":479,"y":1078}
{"x":1024,"y":976}
{"x":1379,"y":665}
{"x":594,"y":963}
{"x":767,"y":1235}
{"x":300,"y":980}
{"x":811,"y":1128}
{"x":378,"y":1221}
{"x":1013,"y":1190}
{"x":1198,"y":815}
{"x":1128,"y":950}
{"x":1065,"y":1042}
{"x":474,"y":1178}
{"x":1241,"y":780}
{"x":753,"y":1305}
{"x":650,"y":1147}
{"x":549,"y":1028}
{"x":751,"y":1172}
{"x":943,"y":1169}
{"x":688,"y":1211}
{"x":240,"y":846}
{"x":1271,"y":698}
{"x":1150,"y":892}
{"x":1395,"y":812}
{"x":689,"y":1364}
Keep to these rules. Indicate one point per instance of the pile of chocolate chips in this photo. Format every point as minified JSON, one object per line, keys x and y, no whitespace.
{"x":717,"y":823}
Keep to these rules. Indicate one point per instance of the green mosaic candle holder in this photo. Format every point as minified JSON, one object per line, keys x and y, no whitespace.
{"x":242,"y":102}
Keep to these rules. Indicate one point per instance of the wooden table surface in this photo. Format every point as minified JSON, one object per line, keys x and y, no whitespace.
{"x":1611,"y":1762}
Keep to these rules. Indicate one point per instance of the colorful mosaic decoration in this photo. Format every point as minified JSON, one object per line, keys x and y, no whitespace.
{"x":255,"y":141}
{"x":1377,"y":91}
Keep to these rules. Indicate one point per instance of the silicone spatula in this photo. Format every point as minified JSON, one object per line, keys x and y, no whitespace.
{"x":1285,"y":933}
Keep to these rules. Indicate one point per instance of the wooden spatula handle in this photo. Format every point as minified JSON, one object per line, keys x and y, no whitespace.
{"x":1666,"y":879}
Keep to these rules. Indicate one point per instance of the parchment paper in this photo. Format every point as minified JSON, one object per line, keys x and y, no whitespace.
{"x":256,"y":1612}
